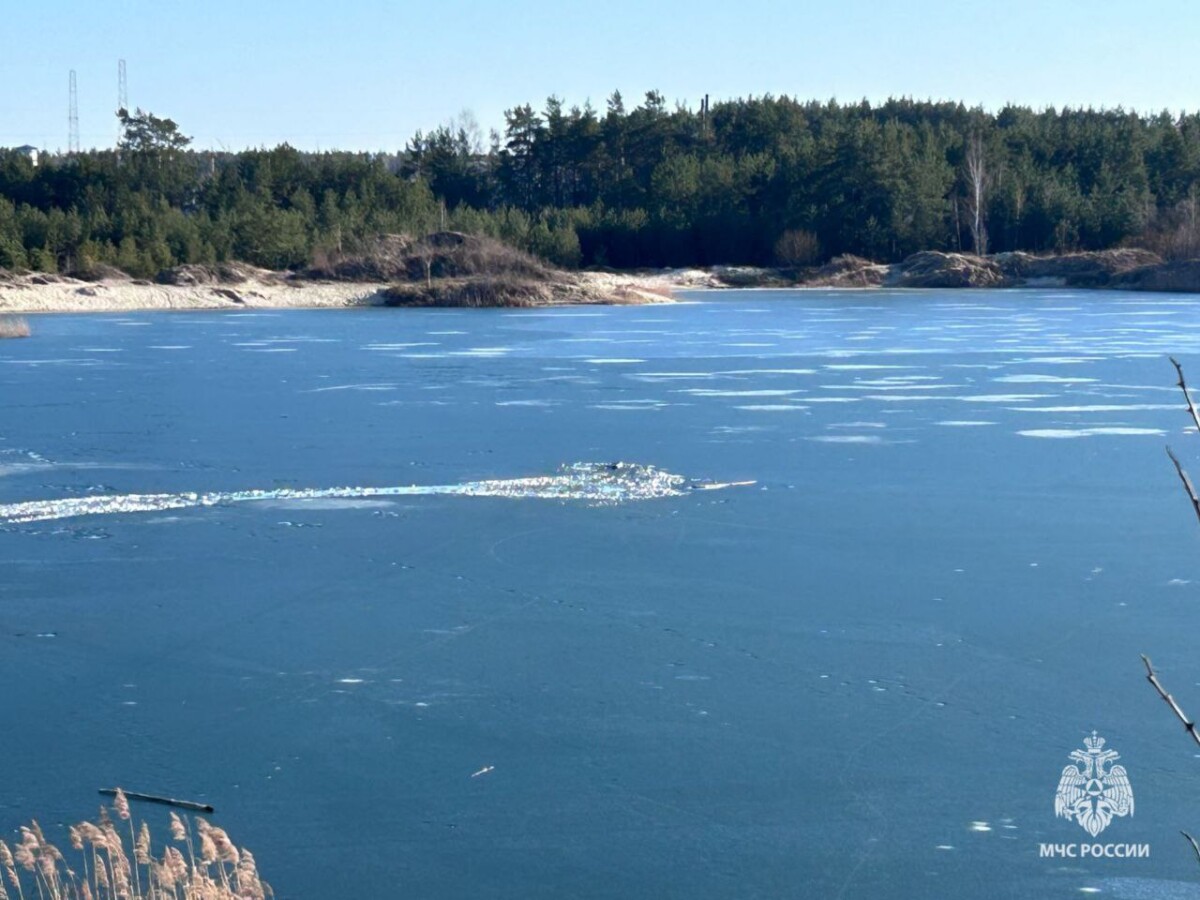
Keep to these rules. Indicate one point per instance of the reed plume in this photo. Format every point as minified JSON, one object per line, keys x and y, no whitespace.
{"x":13,"y":327}
{"x":112,"y":871}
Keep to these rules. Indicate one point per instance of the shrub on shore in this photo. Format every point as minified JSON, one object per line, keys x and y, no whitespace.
{"x":797,"y":247}
{"x":94,"y":271}
{"x":204,"y":866}
{"x":216,"y":273}
{"x":470,"y":292}
{"x":443,"y":254}
{"x":449,"y":268}
{"x":13,"y":327}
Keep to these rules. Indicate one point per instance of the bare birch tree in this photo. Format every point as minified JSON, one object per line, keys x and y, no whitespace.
{"x":979,"y":183}
{"x":1187,"y":235}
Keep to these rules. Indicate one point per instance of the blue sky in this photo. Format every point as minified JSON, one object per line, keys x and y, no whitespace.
{"x":365,"y":74}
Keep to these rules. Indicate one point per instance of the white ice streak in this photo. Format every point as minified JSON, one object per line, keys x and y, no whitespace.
{"x":847,"y":439}
{"x":1098,"y":407}
{"x":630,"y":404}
{"x":863,"y":367}
{"x":406,"y":346}
{"x":1068,"y":433}
{"x":379,"y":386}
{"x":484,"y":352}
{"x":1058,"y":360}
{"x":771,"y":407}
{"x":1002,"y":398}
{"x":596,"y":483}
{"x":1041,"y":379}
{"x":704,"y":392}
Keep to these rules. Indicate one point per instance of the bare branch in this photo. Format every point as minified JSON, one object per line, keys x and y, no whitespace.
{"x":1187,"y":483}
{"x":1192,"y":841}
{"x":1170,"y":701}
{"x":1186,"y":394}
{"x":1151,"y":676}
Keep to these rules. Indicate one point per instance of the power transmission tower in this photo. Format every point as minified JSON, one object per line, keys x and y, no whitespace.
{"x":122,"y":100}
{"x":122,"y":87}
{"x":73,"y":119}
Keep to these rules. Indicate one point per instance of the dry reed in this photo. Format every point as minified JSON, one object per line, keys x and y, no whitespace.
{"x":13,"y":327}
{"x":206,"y":866}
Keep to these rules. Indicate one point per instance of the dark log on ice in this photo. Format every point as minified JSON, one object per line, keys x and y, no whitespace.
{"x":166,"y":801}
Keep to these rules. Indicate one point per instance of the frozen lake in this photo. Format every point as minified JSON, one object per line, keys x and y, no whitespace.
{"x":860,"y":676}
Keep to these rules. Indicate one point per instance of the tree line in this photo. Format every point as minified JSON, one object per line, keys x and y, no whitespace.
{"x":768,"y":180}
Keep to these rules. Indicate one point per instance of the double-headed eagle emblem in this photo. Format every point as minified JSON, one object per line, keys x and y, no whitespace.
{"x":1091,"y":794}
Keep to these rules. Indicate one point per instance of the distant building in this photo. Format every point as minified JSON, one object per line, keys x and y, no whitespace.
{"x":28,"y":150}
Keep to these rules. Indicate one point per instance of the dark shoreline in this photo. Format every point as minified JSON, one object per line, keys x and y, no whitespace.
{"x":240,"y":287}
{"x":1122,"y":269}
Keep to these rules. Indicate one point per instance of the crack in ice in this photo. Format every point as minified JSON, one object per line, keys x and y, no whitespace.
{"x":595,"y":483}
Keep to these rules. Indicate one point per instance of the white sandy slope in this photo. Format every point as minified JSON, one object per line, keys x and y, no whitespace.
{"x":40,"y":294}
{"x":23,"y":295}
{"x":656,"y":281}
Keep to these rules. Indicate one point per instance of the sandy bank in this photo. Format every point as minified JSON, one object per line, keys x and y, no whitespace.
{"x":35,"y":293}
{"x":1127,"y":269}
{"x":38,"y":294}
{"x":442,"y":269}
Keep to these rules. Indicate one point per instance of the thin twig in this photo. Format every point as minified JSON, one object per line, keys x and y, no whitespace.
{"x":1170,"y":701}
{"x":1186,"y":394}
{"x":1187,"y":483}
{"x":1151,"y":676}
{"x":167,"y":801}
{"x":1192,"y":841}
